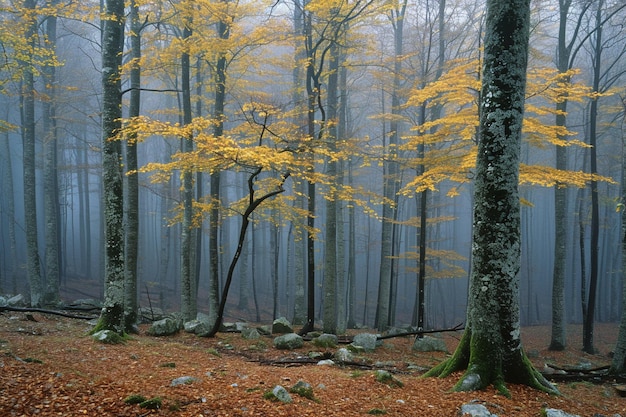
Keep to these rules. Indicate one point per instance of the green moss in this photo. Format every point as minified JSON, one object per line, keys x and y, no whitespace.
{"x":32,"y":360}
{"x":168,"y":365}
{"x":386,"y":377}
{"x":377,"y":412}
{"x":269,"y":395}
{"x":304,"y":390}
{"x":152,"y":404}
{"x":356,"y":374}
{"x":214,"y":352}
{"x":135,"y":399}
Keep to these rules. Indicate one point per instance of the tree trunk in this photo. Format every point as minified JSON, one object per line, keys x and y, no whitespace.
{"x":112,"y":315}
{"x":132,"y":205}
{"x":491,"y":350}
{"x":33,"y":266}
{"x":51,"y":194}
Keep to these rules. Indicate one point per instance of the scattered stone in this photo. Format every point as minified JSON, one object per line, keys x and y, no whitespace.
{"x":164,"y":327}
{"x":368,"y":341}
{"x":316,"y":355}
{"x":86,"y":303}
{"x":343,"y":355}
{"x":196,"y":326}
{"x":384,"y":364}
{"x":17,"y":301}
{"x":326,"y":362}
{"x":288,"y":341}
{"x":475,"y":410}
{"x":429,"y":344}
{"x":553,"y":412}
{"x":326,"y":340}
{"x":387,"y":378}
{"x":183,"y":380}
{"x":150,"y":314}
{"x":108,"y":337}
{"x":228,"y":327}
{"x":281,"y":326}
{"x":240,"y":326}
{"x":265,"y":330}
{"x":303,"y":389}
{"x":250,"y":334}
{"x":3,"y":301}
{"x":281,"y":394}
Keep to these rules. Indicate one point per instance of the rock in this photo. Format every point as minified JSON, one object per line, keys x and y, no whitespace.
{"x":228,"y":327}
{"x":164,"y":327}
{"x":281,"y":394}
{"x":281,"y":326}
{"x":86,"y":303}
{"x":475,"y":410}
{"x":326,"y":340}
{"x":16,"y":301}
{"x":367,"y":341}
{"x":326,"y":362}
{"x":148,"y":315}
{"x":387,"y":378}
{"x":288,"y":341}
{"x":183,"y":380}
{"x":265,"y":330}
{"x":108,"y":336}
{"x":343,"y":355}
{"x":429,"y":344}
{"x":3,"y":301}
{"x":303,"y":389}
{"x":553,"y":412}
{"x":196,"y":326}
{"x":250,"y":334}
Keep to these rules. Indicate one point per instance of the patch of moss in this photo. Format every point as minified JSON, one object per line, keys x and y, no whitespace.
{"x":356,"y":374}
{"x":168,"y":365}
{"x":152,"y":404}
{"x":386,"y":377}
{"x":304,"y":390}
{"x":32,"y":360}
{"x":134,"y":399}
{"x":214,"y":352}
{"x":269,"y":395}
{"x":377,"y":411}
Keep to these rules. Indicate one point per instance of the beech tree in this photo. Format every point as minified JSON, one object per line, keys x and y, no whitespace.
{"x":491,"y":349}
{"x":112,"y":315}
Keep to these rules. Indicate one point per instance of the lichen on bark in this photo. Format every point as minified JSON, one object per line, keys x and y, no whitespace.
{"x":490,"y":350}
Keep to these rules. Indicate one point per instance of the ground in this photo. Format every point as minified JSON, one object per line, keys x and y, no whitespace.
{"x":50,"y":367}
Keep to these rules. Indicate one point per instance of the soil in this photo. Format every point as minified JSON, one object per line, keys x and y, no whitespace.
{"x":49,"y":366}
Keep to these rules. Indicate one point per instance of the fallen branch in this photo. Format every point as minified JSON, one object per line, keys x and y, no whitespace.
{"x":45,"y":311}
{"x":422,"y":332}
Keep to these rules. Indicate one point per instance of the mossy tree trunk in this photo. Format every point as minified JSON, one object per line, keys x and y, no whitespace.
{"x":112,"y":315}
{"x":491,"y":349}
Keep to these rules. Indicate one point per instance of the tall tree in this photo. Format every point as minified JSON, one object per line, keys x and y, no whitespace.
{"x":112,"y":23}
{"x":132,"y":181}
{"x":33,"y":265}
{"x":51,"y":183}
{"x":491,"y":349}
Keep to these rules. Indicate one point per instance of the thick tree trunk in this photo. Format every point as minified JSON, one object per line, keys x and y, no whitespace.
{"x":112,"y":314}
{"x":491,"y":349}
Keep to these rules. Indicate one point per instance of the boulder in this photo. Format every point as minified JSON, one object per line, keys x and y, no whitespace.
{"x":475,"y":410}
{"x":553,"y":412}
{"x":281,"y":394}
{"x":196,"y":326}
{"x":164,"y":327}
{"x":367,"y":341}
{"x":343,"y":355}
{"x":429,"y":344}
{"x":288,"y":341}
{"x":326,"y":340}
{"x":281,"y":326}
{"x":250,"y":334}
{"x":183,"y":380}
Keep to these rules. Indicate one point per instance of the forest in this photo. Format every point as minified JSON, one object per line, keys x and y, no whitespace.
{"x":312,"y":159}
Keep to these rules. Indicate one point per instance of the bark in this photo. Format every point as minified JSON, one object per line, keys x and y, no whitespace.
{"x":490,"y":350}
{"x":188,"y":288}
{"x":33,"y":266}
{"x":51,"y":194}
{"x":111,"y":317}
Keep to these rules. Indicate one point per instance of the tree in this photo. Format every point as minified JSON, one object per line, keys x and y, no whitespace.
{"x":112,"y":315}
{"x":491,"y":349}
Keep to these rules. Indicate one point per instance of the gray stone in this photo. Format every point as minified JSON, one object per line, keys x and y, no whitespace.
{"x":553,"y":412}
{"x":326,"y":362}
{"x":367,"y":341}
{"x":250,"y":334}
{"x":281,"y":326}
{"x":228,"y":327}
{"x":164,"y":327}
{"x":475,"y":410}
{"x":326,"y":340}
{"x":183,"y":380}
{"x":86,"y":302}
{"x":281,"y":394}
{"x":3,"y":301}
{"x":265,"y":330}
{"x":196,"y":326}
{"x":288,"y":341}
{"x":107,"y":336}
{"x":429,"y":344}
{"x":17,"y":301}
{"x":343,"y":355}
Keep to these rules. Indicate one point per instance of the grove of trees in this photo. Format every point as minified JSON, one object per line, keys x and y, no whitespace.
{"x":313,"y":159}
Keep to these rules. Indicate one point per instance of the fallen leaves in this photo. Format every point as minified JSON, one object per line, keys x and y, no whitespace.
{"x":79,"y":377}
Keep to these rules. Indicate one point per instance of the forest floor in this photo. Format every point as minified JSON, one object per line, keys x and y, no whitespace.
{"x":50,"y":367}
